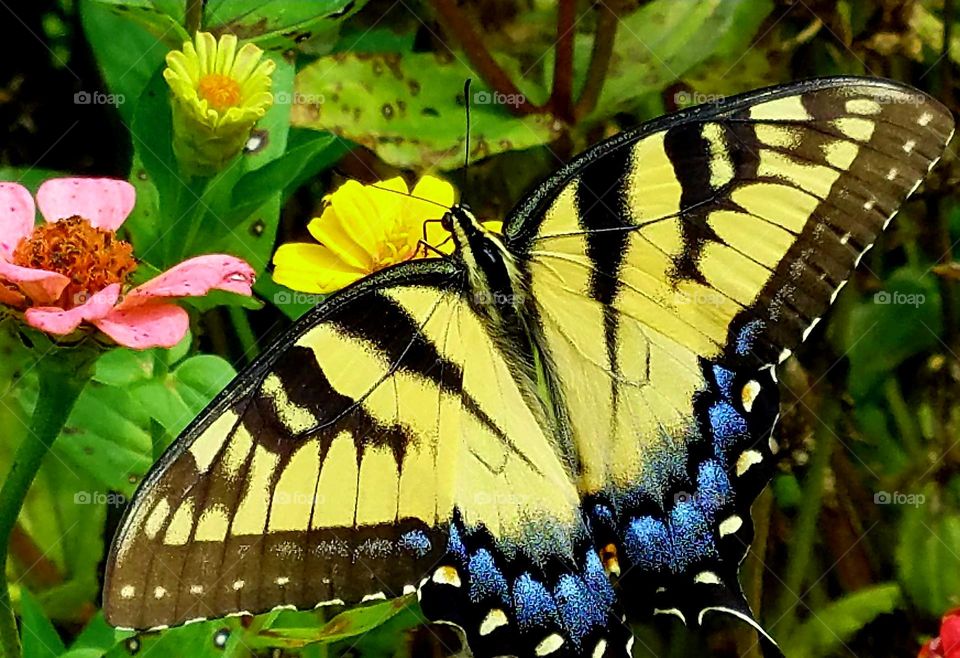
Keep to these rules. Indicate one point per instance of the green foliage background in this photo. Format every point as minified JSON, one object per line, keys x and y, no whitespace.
{"x":858,"y":547}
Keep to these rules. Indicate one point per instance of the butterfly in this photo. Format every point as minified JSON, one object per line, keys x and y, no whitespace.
{"x":550,"y":430}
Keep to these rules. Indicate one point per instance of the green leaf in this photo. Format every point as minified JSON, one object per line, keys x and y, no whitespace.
{"x":308,"y":153}
{"x":98,"y":636}
{"x":661,"y":41}
{"x":40,"y":638}
{"x":927,"y":554}
{"x":827,"y":631}
{"x":349,"y":624}
{"x":894,"y":324}
{"x":280,"y":24}
{"x":409,"y":109}
{"x":292,"y":303}
{"x":29,"y":177}
{"x":129,"y":52}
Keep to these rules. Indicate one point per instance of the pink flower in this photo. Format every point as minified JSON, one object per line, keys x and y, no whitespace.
{"x":948,"y":644}
{"x":72,"y":270}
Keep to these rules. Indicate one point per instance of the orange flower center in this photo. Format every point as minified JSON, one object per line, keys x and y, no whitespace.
{"x":221,"y":91}
{"x":92,"y":258}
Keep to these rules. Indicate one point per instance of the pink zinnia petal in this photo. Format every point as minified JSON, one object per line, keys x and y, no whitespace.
{"x":60,"y":322}
{"x":42,"y":286}
{"x":17,"y":214}
{"x":104,"y":202}
{"x":146,"y":326}
{"x":195,"y":277}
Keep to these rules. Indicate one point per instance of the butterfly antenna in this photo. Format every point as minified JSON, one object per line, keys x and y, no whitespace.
{"x":466,"y":147}
{"x":409,"y":196}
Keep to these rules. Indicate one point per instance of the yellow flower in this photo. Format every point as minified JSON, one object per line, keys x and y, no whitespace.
{"x":365,"y":228}
{"x":218,"y":94}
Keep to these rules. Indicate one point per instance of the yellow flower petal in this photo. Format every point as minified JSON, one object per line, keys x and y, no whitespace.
{"x":369,"y":213}
{"x":226,"y":52}
{"x":436,"y":190}
{"x":312,"y":268}
{"x":328,"y":229}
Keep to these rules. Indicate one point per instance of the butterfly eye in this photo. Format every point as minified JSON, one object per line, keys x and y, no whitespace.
{"x":447,"y":222}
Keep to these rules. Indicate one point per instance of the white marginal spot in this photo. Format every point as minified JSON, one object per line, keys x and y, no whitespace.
{"x":868,"y":206}
{"x":809,"y":330}
{"x":845,"y":238}
{"x":409,"y":589}
{"x":749,"y":393}
{"x":283,"y":606}
{"x":157,"y":628}
{"x":730,"y":525}
{"x":707,"y":578}
{"x":196,"y":589}
{"x":379,"y":596}
{"x":494,"y":620}
{"x":892,"y":174}
{"x":863,"y":253}
{"x":747,"y":459}
{"x":128,"y":591}
{"x":446,"y":576}
{"x":282,"y":580}
{"x":661,"y":590}
{"x":600,"y":648}
{"x":908,"y":145}
{"x":833,"y":295}
{"x":736,"y":613}
{"x":924,"y":119}
{"x":238,"y":584}
{"x":671,"y":611}
{"x":239,"y":613}
{"x":195,"y":620}
{"x":773,"y":445}
{"x":330,"y":602}
{"x":784,"y":355}
{"x":630,"y":645}
{"x":159,"y":592}
{"x":549,"y":644}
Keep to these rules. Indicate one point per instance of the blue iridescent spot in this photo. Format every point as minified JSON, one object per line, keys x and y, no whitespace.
{"x":647,"y":543}
{"x":416,"y":542}
{"x":747,"y":337}
{"x":690,"y":534}
{"x":485,"y":578}
{"x":578,"y":607}
{"x":596,"y":578}
{"x":713,"y":488}
{"x":455,"y":543}
{"x":603,"y":512}
{"x":724,"y":379}
{"x":728,"y":427}
{"x":532,"y":603}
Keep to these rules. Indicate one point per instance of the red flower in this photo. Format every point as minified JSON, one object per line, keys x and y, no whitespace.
{"x":948,"y":644}
{"x":72,"y":269}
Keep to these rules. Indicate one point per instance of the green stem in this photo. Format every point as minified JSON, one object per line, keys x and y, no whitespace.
{"x":805,"y":533}
{"x":248,"y":339}
{"x":60,"y":383}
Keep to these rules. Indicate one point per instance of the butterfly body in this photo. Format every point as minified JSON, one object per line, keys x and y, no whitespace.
{"x":549,"y":429}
